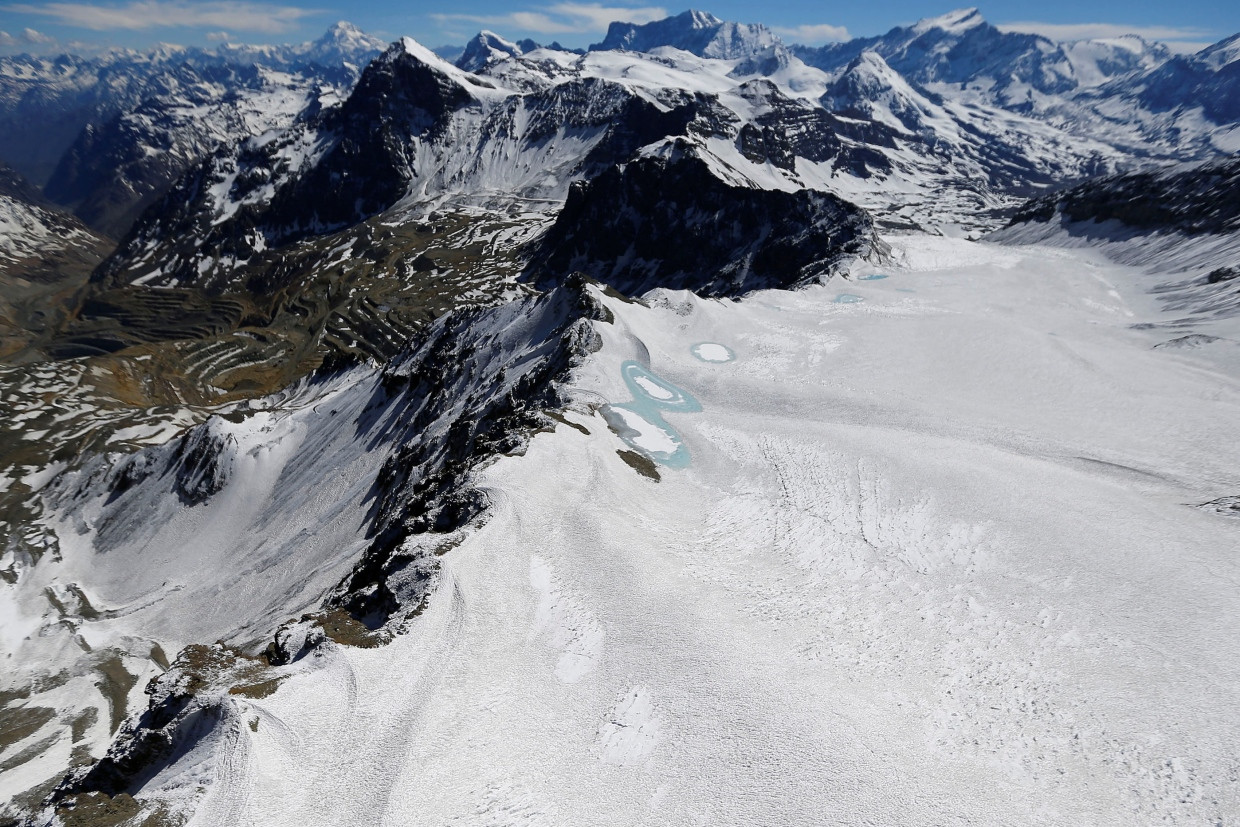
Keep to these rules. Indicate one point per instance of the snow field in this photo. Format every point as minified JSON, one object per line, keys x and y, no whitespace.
{"x":931,"y":561}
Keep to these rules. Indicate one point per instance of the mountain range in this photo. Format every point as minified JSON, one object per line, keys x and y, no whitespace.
{"x":692,"y":428}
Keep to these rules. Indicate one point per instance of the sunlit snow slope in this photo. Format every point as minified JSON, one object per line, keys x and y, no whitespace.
{"x":932,"y":557}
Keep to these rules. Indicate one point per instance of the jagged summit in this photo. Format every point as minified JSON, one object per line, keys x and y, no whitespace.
{"x":343,"y":41}
{"x":487,"y":47}
{"x":871,"y":88}
{"x":698,"y":32}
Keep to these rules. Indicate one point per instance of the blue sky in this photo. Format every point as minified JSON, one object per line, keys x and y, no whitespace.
{"x":43,"y":26}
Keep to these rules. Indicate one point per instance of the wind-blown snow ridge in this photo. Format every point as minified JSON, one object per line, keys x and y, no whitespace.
{"x":954,"y":22}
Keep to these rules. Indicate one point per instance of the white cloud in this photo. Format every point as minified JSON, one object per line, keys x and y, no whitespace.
{"x":150,"y":14}
{"x":1092,"y":31}
{"x":27,"y":38}
{"x":810,"y":33}
{"x":599,"y":17}
{"x":218,"y":37}
{"x":561,"y":18}
{"x":36,"y":38}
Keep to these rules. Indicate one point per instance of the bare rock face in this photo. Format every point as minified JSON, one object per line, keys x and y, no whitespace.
{"x":671,"y":222}
{"x":203,"y":461}
{"x":1193,"y":201}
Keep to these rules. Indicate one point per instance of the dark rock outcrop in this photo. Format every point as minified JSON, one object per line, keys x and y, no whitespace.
{"x":671,"y":222}
{"x":472,"y":386}
{"x":1191,"y":200}
{"x":203,"y":460}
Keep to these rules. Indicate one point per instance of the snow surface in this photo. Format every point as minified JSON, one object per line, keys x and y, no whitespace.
{"x":933,"y":561}
{"x":27,"y":230}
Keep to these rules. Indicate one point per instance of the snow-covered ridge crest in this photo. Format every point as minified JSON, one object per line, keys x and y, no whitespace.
{"x":954,"y":22}
{"x":426,"y":57}
{"x":330,"y":503}
{"x":1223,"y":53}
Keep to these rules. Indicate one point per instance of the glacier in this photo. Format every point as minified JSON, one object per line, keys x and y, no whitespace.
{"x":690,"y":429}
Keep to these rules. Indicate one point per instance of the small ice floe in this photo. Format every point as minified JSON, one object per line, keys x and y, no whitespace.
{"x":847,"y":298}
{"x":647,"y":433}
{"x":712,"y":352}
{"x":645,"y":386}
{"x":565,"y":624}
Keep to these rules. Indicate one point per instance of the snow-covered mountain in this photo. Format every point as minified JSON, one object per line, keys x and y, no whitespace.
{"x":420,"y":133}
{"x":44,"y":253}
{"x":1123,"y":91}
{"x":991,"y":147}
{"x":424,"y":134}
{"x":1189,"y":101}
{"x":626,"y":435}
{"x":114,"y":171}
{"x":696,"y":32}
{"x":1011,"y":69}
{"x":106,"y":133}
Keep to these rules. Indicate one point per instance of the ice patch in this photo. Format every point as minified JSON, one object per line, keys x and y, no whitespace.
{"x":567,"y":625}
{"x":653,"y":389}
{"x":630,"y":731}
{"x":657,"y":440}
{"x":645,"y":384}
{"x":847,"y":298}
{"x":872,"y":277}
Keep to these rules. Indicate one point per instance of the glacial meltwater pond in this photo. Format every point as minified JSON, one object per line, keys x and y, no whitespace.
{"x":712,"y":352}
{"x":640,"y":423}
{"x":847,"y":298}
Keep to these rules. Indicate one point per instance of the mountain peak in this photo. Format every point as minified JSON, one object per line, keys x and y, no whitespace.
{"x":342,"y":28}
{"x":955,"y":22}
{"x":487,"y":47}
{"x":869,"y":61}
{"x":342,"y":33}
{"x":697,"y":32}
{"x":1221,"y":54}
{"x":871,"y":87}
{"x":698,"y":19}
{"x":344,"y":41}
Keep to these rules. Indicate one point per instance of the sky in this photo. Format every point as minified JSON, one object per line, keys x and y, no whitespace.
{"x":41,"y":26}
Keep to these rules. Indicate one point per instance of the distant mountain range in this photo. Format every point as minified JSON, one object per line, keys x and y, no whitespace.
{"x":108,"y":135}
